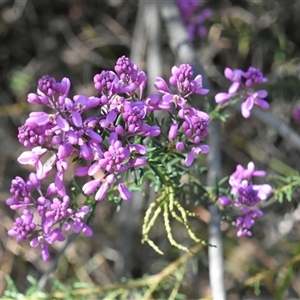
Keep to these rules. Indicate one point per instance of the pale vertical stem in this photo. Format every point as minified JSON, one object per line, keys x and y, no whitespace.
{"x":178,"y":39}
{"x":216,"y":260}
{"x":153,"y":28}
{"x":139,"y":36}
{"x":185,"y":53}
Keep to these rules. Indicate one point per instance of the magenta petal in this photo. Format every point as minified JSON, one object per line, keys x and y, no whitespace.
{"x":201,"y":149}
{"x":201,"y":91}
{"x":94,"y":136}
{"x":262,"y":103}
{"x":173,"y":131}
{"x":137,"y":148}
{"x":111,"y":117}
{"x":222,"y":97}
{"x":138,"y":162}
{"x":77,"y":227}
{"x":262,"y":93}
{"x":94,"y":168}
{"x":245,"y":111}
{"x":34,"y":242}
{"x":45,"y":253}
{"x":65,"y":86}
{"x":90,"y":186}
{"x":33,"y":98}
{"x":82,"y":171}
{"x":62,"y":123}
{"x":259,"y":173}
{"x":76,"y":118}
{"x":161,"y":85}
{"x":228,"y":74}
{"x":27,"y":157}
{"x":42,"y":120}
{"x":167,"y":98}
{"x":224,"y":201}
{"x":86,"y":230}
{"x":249,"y":102}
{"x":189,"y":159}
{"x":124,"y":192}
{"x":101,"y":194}
{"x":234,"y":87}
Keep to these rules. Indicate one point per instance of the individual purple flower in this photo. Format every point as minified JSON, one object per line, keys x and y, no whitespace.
{"x":182,"y":80}
{"x":224,"y":201}
{"x":254,"y":98}
{"x":23,"y":227}
{"x":137,"y":162}
{"x":242,"y":88}
{"x":106,"y":83}
{"x":242,"y":174}
{"x":193,"y":17}
{"x":253,"y":77}
{"x":246,"y":221}
{"x":194,"y":152}
{"x":47,"y":85}
{"x":124,"y":192}
{"x":246,"y":196}
{"x":78,"y":224}
{"x":102,"y":192}
{"x":47,"y":237}
{"x":296,"y":114}
{"x":173,"y":131}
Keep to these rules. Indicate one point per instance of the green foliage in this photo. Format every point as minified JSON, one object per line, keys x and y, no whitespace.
{"x":286,"y":187}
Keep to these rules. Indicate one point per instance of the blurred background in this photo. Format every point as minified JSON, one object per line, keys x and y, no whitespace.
{"x":78,"y":39}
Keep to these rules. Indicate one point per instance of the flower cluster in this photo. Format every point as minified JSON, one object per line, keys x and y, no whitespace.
{"x":104,"y":136}
{"x":189,"y":125}
{"x":53,"y":210}
{"x":193,"y":17}
{"x":246,"y":196}
{"x":242,"y":87}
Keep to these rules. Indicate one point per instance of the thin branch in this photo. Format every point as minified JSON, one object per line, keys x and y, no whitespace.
{"x":178,"y":39}
{"x":285,"y":131}
{"x":148,"y":281}
{"x":53,"y":266}
{"x":185,"y":52}
{"x":216,"y":263}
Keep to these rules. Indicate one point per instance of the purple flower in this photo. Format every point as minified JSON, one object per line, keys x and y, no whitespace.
{"x":124,"y":192}
{"x":182,"y":80}
{"x":254,"y":98}
{"x":90,"y":186}
{"x":242,"y":84}
{"x":137,"y":162}
{"x":102,"y":192}
{"x":246,"y":196}
{"x":246,"y":221}
{"x":23,"y":226}
{"x":47,"y":85}
{"x":223,"y":97}
{"x":78,"y":224}
{"x":193,"y":17}
{"x":224,"y":201}
{"x":296,"y":114}
{"x":106,"y":82}
{"x":161,"y":85}
{"x":195,"y":151}
{"x":253,"y":77}
{"x":173,"y":131}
